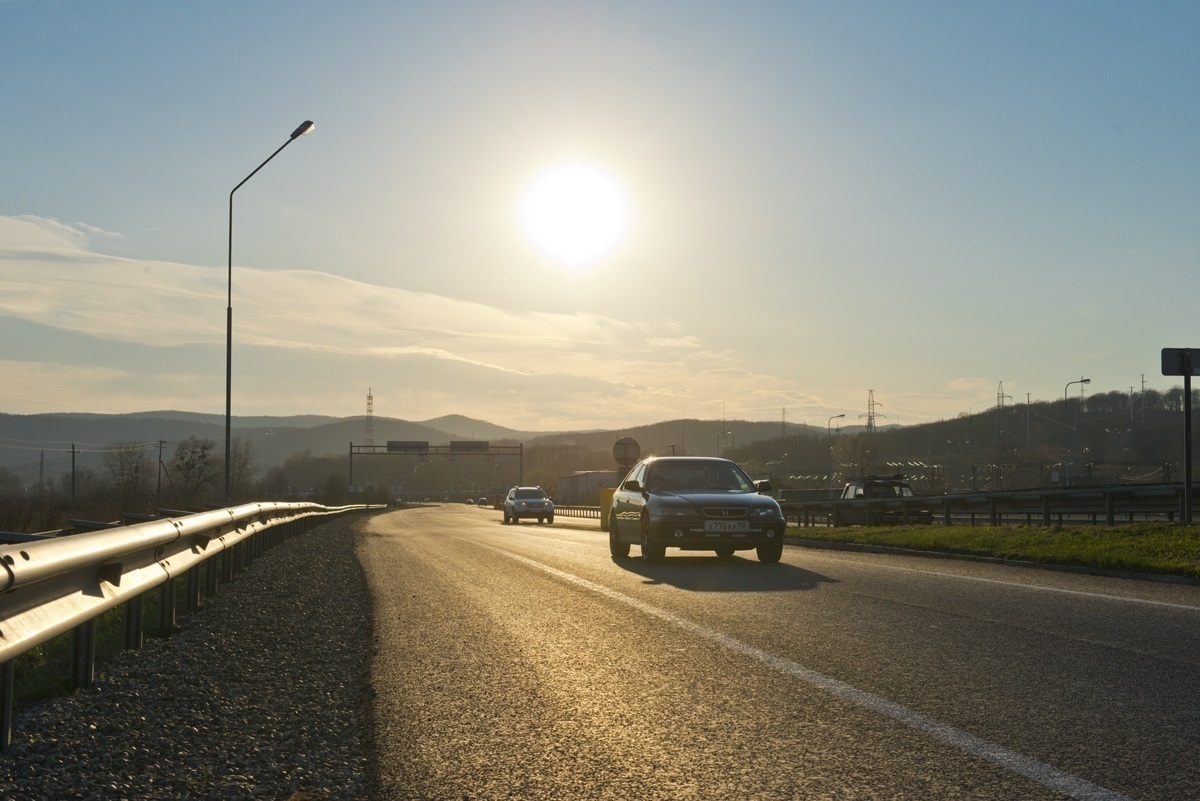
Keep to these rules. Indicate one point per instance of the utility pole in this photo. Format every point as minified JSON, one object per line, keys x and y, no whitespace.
{"x":158,"y":490}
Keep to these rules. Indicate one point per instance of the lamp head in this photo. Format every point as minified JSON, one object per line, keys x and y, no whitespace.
{"x":305,"y":128}
{"x":1085,"y":381}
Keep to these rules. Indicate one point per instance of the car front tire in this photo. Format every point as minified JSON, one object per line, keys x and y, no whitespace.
{"x":651,"y":552}
{"x":770,"y":554}
{"x":724,"y":553}
{"x":618,"y":549}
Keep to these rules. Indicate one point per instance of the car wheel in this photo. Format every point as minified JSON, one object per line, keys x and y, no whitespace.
{"x":541,"y":520}
{"x":618,"y":549}
{"x":770,"y":554}
{"x":550,"y":519}
{"x":507,"y":519}
{"x":651,"y":552}
{"x":724,"y":553}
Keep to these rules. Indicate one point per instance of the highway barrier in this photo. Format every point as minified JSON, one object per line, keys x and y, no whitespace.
{"x":55,"y":583}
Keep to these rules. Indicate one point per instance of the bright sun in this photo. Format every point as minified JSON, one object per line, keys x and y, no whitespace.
{"x":575,"y":213}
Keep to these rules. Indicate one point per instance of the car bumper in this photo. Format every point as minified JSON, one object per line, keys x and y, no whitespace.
{"x":692,"y":536}
{"x":518,"y":513}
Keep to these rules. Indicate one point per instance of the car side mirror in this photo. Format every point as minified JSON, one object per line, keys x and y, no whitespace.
{"x":633,"y":486}
{"x":764,"y":487}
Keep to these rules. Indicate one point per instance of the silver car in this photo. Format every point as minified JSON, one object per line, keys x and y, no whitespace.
{"x":528,"y":502}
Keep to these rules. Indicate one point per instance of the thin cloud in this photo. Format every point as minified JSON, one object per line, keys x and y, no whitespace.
{"x":453,"y":354}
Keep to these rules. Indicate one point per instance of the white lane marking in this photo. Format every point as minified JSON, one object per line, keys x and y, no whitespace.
{"x":1045,"y":775}
{"x":1021,"y":585}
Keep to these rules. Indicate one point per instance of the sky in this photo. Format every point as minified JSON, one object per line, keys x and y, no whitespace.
{"x":937,"y":202}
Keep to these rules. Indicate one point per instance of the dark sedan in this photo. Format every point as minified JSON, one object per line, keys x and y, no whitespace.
{"x":694,"y":504}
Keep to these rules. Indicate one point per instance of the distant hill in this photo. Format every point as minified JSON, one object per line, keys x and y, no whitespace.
{"x":469,"y":428}
{"x":42,"y":443}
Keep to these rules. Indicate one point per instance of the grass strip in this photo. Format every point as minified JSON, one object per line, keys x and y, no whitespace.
{"x":1162,"y":548}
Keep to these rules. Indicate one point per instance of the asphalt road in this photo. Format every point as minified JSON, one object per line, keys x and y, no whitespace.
{"x":524,"y":662}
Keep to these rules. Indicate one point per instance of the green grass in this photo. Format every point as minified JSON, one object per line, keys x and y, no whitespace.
{"x":45,"y":670}
{"x":1164,"y":548}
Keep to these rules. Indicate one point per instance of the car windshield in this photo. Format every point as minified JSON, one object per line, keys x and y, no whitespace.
{"x":685,"y":476}
{"x":888,"y":491}
{"x":527,"y":494}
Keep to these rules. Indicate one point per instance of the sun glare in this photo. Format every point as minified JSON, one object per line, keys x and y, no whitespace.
{"x":575,"y":214}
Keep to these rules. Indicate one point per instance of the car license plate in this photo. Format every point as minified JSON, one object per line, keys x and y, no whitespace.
{"x":725,"y":526}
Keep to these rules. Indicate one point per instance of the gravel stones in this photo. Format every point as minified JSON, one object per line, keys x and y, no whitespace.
{"x":262,"y":693}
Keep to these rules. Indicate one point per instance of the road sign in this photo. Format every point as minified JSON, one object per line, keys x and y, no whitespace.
{"x":1181,"y":361}
{"x":627,"y":452}
{"x":1184,"y":362}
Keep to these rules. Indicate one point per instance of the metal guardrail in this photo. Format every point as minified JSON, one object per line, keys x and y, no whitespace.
{"x":51,"y":585}
{"x":577,"y":511}
{"x":1092,"y":505}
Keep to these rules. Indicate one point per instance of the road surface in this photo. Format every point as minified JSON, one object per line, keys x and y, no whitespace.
{"x":522,"y":661}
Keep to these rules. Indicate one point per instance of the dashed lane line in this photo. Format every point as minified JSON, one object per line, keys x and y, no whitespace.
{"x":1045,"y":775}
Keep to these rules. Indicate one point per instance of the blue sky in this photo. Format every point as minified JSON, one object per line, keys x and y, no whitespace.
{"x":926,"y":199}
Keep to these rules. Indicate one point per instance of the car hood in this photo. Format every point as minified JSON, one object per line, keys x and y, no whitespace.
{"x":701,"y":498}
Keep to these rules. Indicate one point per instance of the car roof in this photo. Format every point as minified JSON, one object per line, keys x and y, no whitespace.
{"x":688,"y":459}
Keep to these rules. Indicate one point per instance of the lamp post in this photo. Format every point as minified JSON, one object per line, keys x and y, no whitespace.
{"x":1067,"y":461}
{"x":829,"y":443}
{"x":305,"y":127}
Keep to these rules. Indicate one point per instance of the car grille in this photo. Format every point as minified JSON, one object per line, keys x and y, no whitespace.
{"x":724,"y":512}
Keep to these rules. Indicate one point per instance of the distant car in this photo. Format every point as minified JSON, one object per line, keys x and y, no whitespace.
{"x":484,"y":502}
{"x":528,"y":502}
{"x":904,"y":505}
{"x":694,"y":504}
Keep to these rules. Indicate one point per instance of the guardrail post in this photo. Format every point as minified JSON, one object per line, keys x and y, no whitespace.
{"x":83,"y":654}
{"x":993,"y":512}
{"x":133,"y":612}
{"x":166,"y":608}
{"x":191,"y":600}
{"x":1110,"y":508}
{"x":210,"y":576}
{"x":1046,"y":511}
{"x":6,"y":704}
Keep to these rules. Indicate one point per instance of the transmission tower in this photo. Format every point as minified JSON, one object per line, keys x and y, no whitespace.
{"x":369,"y":434}
{"x":1001,"y":397}
{"x":871,"y":414}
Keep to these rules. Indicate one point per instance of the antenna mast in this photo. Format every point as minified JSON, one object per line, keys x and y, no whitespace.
{"x":369,"y":434}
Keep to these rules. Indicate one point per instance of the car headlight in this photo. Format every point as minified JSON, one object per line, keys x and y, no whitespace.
{"x":676,"y":511}
{"x":763,"y":511}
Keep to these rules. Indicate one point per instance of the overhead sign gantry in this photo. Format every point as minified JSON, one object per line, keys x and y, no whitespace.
{"x":423,"y":449}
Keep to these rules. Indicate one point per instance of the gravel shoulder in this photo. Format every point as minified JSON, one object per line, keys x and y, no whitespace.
{"x":262,"y":693}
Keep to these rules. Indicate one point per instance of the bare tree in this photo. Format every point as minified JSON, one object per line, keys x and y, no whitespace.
{"x":195,"y":470}
{"x":241,"y":468}
{"x":128,"y":472}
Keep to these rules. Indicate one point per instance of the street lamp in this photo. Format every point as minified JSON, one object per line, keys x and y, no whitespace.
{"x":828,"y":442}
{"x":1067,"y":461}
{"x":305,"y":127}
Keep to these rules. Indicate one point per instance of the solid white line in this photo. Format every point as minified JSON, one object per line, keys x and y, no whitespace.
{"x":1043,"y":774}
{"x":1021,"y":585}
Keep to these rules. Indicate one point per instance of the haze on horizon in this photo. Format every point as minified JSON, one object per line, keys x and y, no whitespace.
{"x":801,"y":203}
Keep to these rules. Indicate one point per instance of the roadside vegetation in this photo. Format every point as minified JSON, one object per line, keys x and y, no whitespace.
{"x":1160,"y":548}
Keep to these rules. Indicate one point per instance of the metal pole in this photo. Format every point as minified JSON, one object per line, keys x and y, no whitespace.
{"x":1066,"y":417}
{"x":304,"y":128}
{"x":1187,"y":438}
{"x":829,"y":445}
